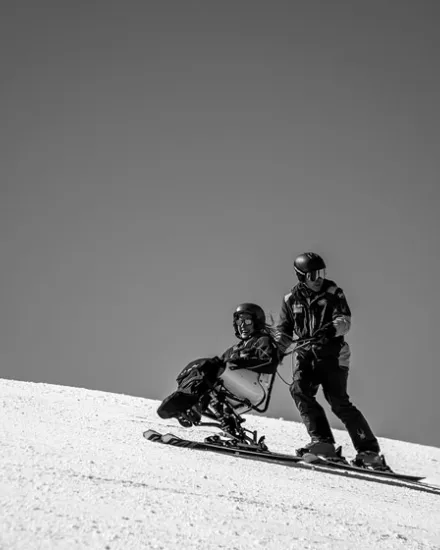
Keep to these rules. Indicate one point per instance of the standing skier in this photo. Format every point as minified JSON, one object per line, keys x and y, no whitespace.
{"x":317,"y":308}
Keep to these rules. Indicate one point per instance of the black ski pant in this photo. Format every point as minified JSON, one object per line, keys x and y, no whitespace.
{"x":311,"y":372}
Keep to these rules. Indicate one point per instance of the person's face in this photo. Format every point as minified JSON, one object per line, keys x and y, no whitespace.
{"x":245,"y":325}
{"x":315,"y":279}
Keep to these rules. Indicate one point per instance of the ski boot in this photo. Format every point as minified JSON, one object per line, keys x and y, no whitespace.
{"x":370,"y":460}
{"x":319,"y":448}
{"x":324,"y":450}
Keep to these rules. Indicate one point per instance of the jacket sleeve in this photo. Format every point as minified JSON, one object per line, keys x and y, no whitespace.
{"x":341,"y":314}
{"x":284,"y":331}
{"x":262,"y":356}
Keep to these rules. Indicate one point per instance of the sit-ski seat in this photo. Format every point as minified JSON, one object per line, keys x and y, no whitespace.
{"x":246,"y":390}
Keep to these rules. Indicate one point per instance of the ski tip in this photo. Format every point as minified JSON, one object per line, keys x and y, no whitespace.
{"x":151,"y":434}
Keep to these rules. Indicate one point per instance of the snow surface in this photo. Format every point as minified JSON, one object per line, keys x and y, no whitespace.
{"x":76,"y":473}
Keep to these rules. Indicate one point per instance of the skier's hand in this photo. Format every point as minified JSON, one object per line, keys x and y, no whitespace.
{"x":238,"y":359}
{"x":324,"y":335}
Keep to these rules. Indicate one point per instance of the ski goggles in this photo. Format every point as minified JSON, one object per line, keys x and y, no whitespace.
{"x":315,"y":275}
{"x":243,"y":321}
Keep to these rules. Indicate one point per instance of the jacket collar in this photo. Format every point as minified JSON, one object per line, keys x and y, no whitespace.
{"x":301,"y":292}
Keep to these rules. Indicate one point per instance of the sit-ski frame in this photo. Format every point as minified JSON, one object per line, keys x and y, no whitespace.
{"x":233,"y":432}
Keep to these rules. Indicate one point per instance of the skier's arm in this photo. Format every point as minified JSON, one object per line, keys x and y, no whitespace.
{"x":261,"y":356}
{"x":284,"y":331}
{"x":342,"y":314}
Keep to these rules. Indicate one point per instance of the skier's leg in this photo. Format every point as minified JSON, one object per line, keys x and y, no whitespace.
{"x":194,"y":382}
{"x":303,"y":390}
{"x":176,"y":405}
{"x":334,"y":385}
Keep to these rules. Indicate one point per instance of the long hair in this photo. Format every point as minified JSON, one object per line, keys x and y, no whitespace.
{"x":271,"y":330}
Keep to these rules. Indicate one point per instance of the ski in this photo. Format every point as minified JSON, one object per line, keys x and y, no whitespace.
{"x":315,"y":463}
{"x":311,"y":458}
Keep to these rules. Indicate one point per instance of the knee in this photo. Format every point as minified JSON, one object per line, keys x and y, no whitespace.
{"x":339,"y":405}
{"x":295,"y":390}
{"x":302,"y":395}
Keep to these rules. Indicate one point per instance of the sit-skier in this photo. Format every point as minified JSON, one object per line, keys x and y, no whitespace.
{"x":256,"y":352}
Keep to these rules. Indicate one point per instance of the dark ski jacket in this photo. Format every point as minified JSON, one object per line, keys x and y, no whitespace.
{"x":303,"y":313}
{"x":259,"y":354}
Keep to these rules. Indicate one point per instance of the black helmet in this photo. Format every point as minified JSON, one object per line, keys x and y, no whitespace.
{"x":255,"y":311}
{"x":308,"y":262}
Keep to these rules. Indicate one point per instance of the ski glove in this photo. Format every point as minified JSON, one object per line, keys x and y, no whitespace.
{"x":324,"y":335}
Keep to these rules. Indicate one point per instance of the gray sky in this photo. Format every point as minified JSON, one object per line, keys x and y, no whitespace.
{"x":162,"y":162}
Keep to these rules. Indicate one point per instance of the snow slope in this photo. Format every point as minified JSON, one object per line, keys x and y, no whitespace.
{"x":76,"y":473}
